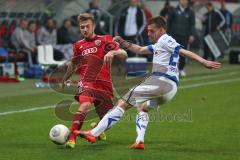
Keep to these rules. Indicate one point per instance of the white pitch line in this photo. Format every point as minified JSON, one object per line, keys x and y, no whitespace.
{"x":209,"y":83}
{"x":181,"y":87}
{"x":26,"y":110}
{"x":209,"y":76}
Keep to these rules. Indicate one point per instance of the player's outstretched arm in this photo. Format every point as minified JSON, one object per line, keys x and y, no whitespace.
{"x":130,"y":46}
{"x":120,"y":53}
{"x":70,"y":70}
{"x":204,"y":62}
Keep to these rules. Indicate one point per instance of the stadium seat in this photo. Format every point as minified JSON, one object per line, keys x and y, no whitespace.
{"x":29,"y":15}
{"x":45,"y":56}
{"x":49,"y":55}
{"x":20,"y":15}
{"x":12,"y":15}
{"x":37,"y":15}
{"x":41,"y":55}
{"x":3,"y":14}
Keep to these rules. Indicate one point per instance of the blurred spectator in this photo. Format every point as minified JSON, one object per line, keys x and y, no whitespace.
{"x":4,"y":28}
{"x":181,"y":26}
{"x":214,"y":20}
{"x":168,"y":9}
{"x":12,"y":26}
{"x":47,"y":34}
{"x":31,"y":38}
{"x":146,"y":11}
{"x":228,"y":20}
{"x":64,"y":33}
{"x":4,"y":33}
{"x":131,"y":23}
{"x":18,"y":39}
{"x":98,"y":16}
{"x":192,"y":4}
{"x":227,"y":14}
{"x":39,"y":25}
{"x":148,"y":15}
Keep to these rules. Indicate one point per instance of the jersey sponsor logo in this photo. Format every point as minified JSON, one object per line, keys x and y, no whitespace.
{"x":157,"y":52}
{"x":89,"y":51}
{"x":110,"y":46}
{"x":173,"y":69}
{"x":98,"y":42}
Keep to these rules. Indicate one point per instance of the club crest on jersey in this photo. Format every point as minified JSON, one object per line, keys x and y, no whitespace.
{"x":97,"y":42}
{"x":89,"y":51}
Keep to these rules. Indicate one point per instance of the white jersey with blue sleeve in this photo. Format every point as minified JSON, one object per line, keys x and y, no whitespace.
{"x":166,"y":55}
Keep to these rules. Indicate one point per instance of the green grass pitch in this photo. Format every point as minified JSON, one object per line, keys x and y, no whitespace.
{"x":201,"y":122}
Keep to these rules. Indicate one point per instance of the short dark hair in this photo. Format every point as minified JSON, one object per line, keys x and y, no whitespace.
{"x":23,"y":19}
{"x":159,"y":21}
{"x":31,"y":22}
{"x":85,"y":16}
{"x":65,"y":20}
{"x":209,"y":4}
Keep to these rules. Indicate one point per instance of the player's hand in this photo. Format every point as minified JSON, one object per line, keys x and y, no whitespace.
{"x":108,"y":58}
{"x":123,"y":43}
{"x":118,"y":39}
{"x":191,"y":39}
{"x":65,"y":83}
{"x":62,"y":85}
{"x":212,"y":64}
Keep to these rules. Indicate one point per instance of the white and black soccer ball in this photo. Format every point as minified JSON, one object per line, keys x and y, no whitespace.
{"x":59,"y":134}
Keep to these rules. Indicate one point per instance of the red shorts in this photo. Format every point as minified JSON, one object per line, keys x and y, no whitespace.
{"x":102,"y":99}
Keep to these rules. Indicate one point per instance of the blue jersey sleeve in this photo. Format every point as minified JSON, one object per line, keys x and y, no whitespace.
{"x":150,"y":48}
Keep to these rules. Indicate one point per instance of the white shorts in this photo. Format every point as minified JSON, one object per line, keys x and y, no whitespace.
{"x":154,"y":91}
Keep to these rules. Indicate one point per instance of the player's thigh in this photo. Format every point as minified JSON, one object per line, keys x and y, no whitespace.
{"x":103,"y":102}
{"x":86,"y":99}
{"x":153,"y":92}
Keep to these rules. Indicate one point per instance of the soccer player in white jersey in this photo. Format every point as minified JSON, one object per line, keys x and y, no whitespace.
{"x":157,"y":89}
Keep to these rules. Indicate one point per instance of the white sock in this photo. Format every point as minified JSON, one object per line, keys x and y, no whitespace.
{"x":141,"y":125}
{"x":108,"y":120}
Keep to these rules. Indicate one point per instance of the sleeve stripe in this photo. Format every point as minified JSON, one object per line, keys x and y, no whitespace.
{"x":150,"y":48}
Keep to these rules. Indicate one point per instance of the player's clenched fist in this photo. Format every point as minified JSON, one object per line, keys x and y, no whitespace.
{"x":108,"y":58}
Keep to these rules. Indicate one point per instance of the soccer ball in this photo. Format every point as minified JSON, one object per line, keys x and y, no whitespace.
{"x":59,"y":134}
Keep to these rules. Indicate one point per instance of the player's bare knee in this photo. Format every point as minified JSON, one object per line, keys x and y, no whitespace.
{"x":143,"y":107}
{"x":84,"y":107}
{"x":123,"y":104}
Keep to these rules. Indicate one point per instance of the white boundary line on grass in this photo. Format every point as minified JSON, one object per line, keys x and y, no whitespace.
{"x":209,"y":83}
{"x":181,"y":87}
{"x":26,"y":110}
{"x":209,"y":76}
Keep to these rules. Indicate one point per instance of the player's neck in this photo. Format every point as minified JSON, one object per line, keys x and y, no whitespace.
{"x":163,"y":33}
{"x":90,"y":37}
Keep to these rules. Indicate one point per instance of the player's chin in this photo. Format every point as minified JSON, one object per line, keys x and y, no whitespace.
{"x":151,"y":40}
{"x":85,"y":35}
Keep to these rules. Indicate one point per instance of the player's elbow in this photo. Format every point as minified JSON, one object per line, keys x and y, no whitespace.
{"x":125,"y":55}
{"x":142,"y":50}
{"x":122,"y":54}
{"x":183,"y":52}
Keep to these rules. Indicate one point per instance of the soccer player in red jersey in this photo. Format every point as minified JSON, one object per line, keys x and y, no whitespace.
{"x":92,"y":58}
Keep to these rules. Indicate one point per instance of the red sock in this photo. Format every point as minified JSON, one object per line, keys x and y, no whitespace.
{"x":77,"y":123}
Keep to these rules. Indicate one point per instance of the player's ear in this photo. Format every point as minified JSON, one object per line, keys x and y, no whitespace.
{"x":94,"y":26}
{"x":162,"y":29}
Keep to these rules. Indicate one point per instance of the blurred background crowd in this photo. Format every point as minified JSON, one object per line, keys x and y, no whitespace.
{"x":27,"y":24}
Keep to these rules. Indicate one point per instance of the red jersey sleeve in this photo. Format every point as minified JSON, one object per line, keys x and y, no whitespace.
{"x":110,"y":44}
{"x":75,"y":54}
